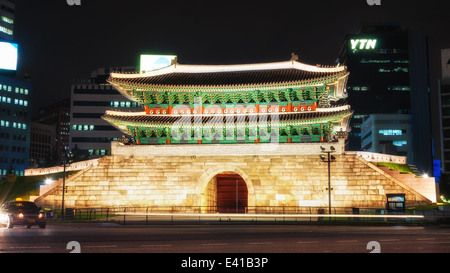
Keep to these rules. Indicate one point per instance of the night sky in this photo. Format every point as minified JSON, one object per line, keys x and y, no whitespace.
{"x":60,"y":43}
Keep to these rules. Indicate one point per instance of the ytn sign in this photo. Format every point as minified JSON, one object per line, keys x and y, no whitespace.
{"x":363,"y":43}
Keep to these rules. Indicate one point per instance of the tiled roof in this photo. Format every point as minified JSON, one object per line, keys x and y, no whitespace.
{"x":227,"y":78}
{"x":224,"y":119}
{"x":237,"y":75}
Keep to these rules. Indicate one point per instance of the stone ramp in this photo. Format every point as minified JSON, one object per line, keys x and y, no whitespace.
{"x":160,"y":181}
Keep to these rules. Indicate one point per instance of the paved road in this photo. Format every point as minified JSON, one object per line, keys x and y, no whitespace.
{"x":113,"y":238}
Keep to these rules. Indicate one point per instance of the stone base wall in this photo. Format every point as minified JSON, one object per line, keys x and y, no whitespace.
{"x":160,"y":181}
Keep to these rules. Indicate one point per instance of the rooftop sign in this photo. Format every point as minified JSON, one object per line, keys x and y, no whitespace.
{"x":363,"y":44}
{"x":8,"y":56}
{"x":154,"y":62}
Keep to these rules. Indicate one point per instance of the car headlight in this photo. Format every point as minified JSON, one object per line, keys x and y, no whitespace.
{"x":41,"y":215}
{"x":20,"y":215}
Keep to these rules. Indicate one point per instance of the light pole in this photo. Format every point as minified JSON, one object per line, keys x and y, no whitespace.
{"x":328,"y":159}
{"x":65,"y":157}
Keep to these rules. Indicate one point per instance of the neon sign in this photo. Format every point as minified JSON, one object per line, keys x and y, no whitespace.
{"x":363,"y":44}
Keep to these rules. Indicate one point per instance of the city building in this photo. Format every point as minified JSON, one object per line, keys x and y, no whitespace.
{"x":444,"y":99}
{"x":15,"y":119}
{"x":42,"y":144}
{"x":387,"y":134}
{"x":7,"y":12}
{"x":89,"y":100}
{"x":249,"y":138}
{"x":389,"y":75}
{"x":57,"y":115}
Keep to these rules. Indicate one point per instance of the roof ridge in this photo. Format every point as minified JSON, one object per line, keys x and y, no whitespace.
{"x":182,"y":68}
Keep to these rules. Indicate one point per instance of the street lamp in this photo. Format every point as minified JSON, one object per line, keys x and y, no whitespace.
{"x":65,"y":158}
{"x":329,"y":158}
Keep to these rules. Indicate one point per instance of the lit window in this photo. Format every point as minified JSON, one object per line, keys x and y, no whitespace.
{"x":25,"y":91}
{"x":399,"y":143}
{"x":6,"y":30}
{"x":7,"y":20}
{"x":25,"y":103}
{"x":390,"y":132}
{"x":91,"y":127}
{"x":16,"y":101}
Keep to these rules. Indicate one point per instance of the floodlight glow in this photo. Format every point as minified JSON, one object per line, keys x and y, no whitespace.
{"x":425,"y":175}
{"x":8,"y":56}
{"x":154,"y":62}
{"x":48,"y":181}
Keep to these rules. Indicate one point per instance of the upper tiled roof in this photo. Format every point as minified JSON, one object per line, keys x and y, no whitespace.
{"x":191,"y":75}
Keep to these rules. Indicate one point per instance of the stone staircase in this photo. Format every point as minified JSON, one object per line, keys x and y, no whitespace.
{"x":426,"y":186}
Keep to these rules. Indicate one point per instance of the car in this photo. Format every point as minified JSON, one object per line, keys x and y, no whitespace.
{"x":20,"y":212}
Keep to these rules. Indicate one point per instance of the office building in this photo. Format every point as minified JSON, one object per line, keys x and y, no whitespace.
{"x":389,"y":75}
{"x":444,"y":96}
{"x":7,"y":10}
{"x":57,"y":115}
{"x":89,"y":101}
{"x":42,"y":144}
{"x":15,"y":119}
{"x":387,"y":134}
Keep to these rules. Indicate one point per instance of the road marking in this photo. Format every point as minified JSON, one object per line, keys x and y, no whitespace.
{"x":214,"y":244}
{"x":259,"y":243}
{"x":30,"y":247}
{"x":348,"y":241}
{"x":155,"y":245}
{"x":308,"y":242}
{"x":389,"y":240}
{"x":425,"y":239}
{"x":100,"y":246}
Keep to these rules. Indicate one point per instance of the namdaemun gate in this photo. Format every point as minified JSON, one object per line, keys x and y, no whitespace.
{"x":238,"y":138}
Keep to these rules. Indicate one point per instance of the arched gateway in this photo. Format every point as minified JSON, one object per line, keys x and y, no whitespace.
{"x":225,"y":189}
{"x":258,"y":127}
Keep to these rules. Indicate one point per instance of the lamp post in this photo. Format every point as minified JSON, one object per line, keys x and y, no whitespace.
{"x":328,"y":159}
{"x":64,"y":159}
